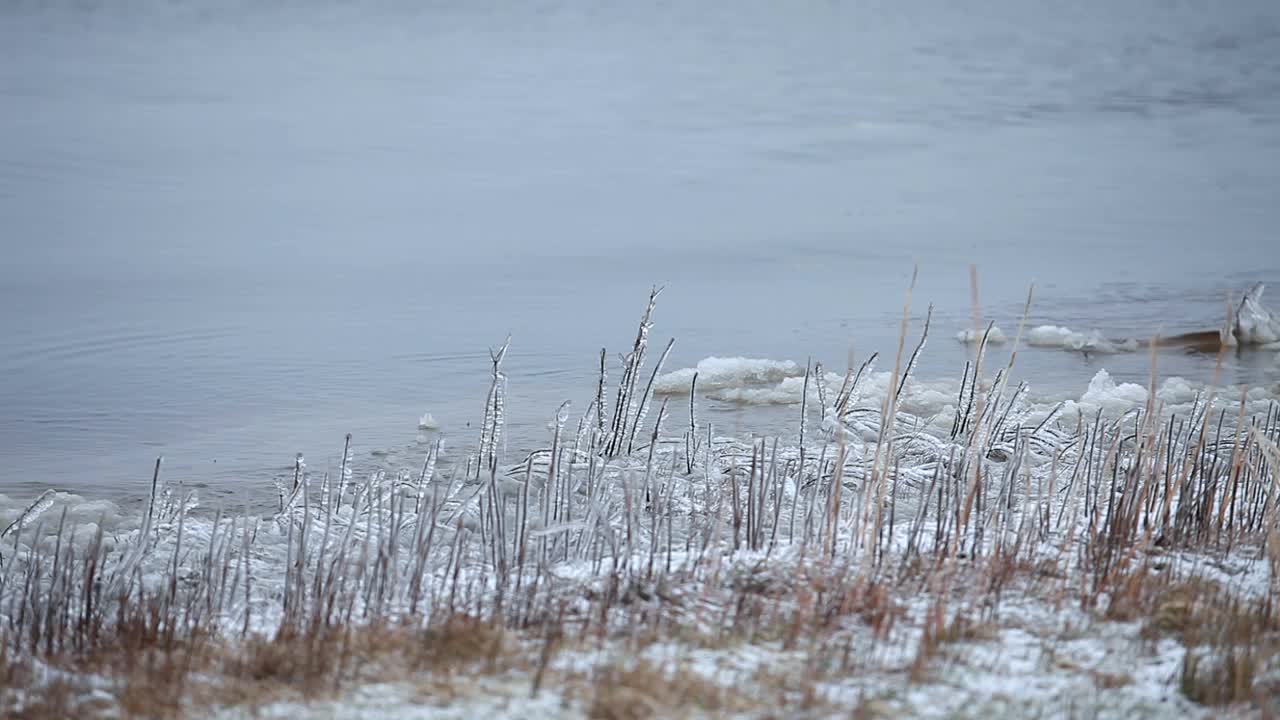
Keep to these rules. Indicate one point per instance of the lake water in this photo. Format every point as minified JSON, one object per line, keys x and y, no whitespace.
{"x":234,"y":231}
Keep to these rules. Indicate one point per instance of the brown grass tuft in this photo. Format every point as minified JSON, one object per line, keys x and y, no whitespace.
{"x":642,"y":689}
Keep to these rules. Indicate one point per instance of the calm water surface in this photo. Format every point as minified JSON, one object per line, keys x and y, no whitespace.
{"x":231,"y":233}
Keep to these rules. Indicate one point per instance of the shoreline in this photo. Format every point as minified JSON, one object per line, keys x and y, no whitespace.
{"x":1110,"y":558}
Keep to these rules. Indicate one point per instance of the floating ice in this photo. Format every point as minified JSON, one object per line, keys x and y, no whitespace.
{"x":1056,"y":336}
{"x":716,"y":373}
{"x":1253,"y":325}
{"x":1049,"y":336}
{"x":970,"y":336}
{"x":788,"y":392}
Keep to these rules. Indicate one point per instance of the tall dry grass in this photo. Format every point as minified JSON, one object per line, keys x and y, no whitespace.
{"x":629,"y":532}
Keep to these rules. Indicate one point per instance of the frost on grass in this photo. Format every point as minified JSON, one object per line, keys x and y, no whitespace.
{"x":921,"y":549}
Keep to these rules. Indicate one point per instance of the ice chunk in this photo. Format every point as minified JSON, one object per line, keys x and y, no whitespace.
{"x":788,"y":392}
{"x":971,"y":336}
{"x":1255,"y":325}
{"x":1111,"y":398}
{"x":1091,"y":342}
{"x":1049,"y":336}
{"x":1177,"y":391}
{"x":716,"y":373}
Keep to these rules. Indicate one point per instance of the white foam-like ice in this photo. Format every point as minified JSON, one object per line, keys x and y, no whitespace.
{"x":1177,"y":391}
{"x":969,"y":336}
{"x":717,"y":373}
{"x":1113,"y":399}
{"x":787,"y":392}
{"x":932,"y":404}
{"x":43,"y":515}
{"x":1048,"y":336}
{"x":930,"y":400}
{"x":1056,"y":336}
{"x":1174,"y":396}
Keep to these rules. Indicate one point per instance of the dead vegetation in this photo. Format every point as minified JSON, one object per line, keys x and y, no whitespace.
{"x":641,"y":689}
{"x":841,"y":557}
{"x":1231,"y":643}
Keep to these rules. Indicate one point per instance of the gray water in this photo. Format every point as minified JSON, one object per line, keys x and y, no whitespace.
{"x":231,"y":233}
